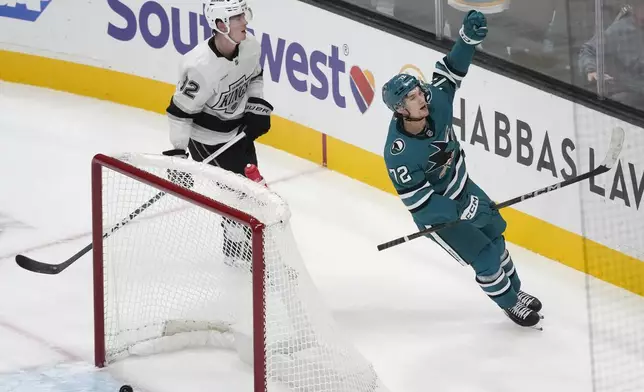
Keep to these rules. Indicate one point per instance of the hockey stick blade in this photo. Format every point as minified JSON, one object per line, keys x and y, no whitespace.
{"x":614,"y":150}
{"x":53,"y":269}
{"x":49,"y":269}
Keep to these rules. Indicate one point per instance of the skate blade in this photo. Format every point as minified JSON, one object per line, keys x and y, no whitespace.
{"x":538,"y":326}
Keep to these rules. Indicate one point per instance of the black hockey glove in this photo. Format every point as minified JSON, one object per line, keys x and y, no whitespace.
{"x":178,"y":177}
{"x":257,"y":117}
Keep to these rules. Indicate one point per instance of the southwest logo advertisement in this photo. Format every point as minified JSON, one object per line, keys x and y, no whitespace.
{"x":28,"y":10}
{"x":307,"y":71}
{"x":363,"y":87}
{"x":321,"y":73}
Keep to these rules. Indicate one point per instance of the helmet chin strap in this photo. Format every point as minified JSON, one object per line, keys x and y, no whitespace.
{"x":410,"y":118}
{"x":413,"y":119}
{"x":230,"y":39}
{"x":226,"y":34}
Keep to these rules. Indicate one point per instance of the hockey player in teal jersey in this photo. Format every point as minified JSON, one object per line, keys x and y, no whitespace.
{"x":427,"y":168}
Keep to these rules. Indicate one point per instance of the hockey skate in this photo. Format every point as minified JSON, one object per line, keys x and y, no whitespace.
{"x":529,"y":301}
{"x":523,"y":315}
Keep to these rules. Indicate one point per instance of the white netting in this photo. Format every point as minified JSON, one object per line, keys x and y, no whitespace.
{"x":612,"y":208}
{"x":612,"y":215}
{"x":179,"y":276}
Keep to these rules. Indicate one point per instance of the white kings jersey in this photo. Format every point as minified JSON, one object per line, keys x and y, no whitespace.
{"x":208,"y":103}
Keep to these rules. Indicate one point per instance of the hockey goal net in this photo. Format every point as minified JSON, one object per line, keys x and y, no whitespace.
{"x":210,"y":260}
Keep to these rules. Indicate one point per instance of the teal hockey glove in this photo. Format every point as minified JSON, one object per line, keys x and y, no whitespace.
{"x":474,"y":28}
{"x":477,"y":211}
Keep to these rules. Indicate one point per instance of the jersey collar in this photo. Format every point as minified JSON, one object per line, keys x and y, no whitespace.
{"x":428,"y":132}
{"x":213,"y":47}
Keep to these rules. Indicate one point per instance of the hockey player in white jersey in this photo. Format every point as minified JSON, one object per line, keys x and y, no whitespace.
{"x":219,"y":94}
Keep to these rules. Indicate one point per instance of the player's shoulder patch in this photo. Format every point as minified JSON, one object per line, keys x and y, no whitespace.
{"x":397,"y":146}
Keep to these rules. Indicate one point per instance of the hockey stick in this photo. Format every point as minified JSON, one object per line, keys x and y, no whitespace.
{"x":616,"y":143}
{"x":52,"y":269}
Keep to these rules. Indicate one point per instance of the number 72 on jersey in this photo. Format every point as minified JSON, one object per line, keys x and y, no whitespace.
{"x":400,"y":174}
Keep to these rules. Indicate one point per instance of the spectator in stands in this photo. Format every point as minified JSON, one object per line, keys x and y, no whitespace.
{"x":623,"y":58}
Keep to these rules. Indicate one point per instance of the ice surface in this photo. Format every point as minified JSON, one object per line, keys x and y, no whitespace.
{"x":412,"y":310}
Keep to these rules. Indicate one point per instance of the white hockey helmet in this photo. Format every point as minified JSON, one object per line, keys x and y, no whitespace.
{"x":224,"y":10}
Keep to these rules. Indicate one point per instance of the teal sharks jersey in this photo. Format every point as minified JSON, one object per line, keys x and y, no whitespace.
{"x":428,"y":170}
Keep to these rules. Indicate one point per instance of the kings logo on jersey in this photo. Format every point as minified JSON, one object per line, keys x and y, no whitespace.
{"x":229,"y":100}
{"x":29,"y":10}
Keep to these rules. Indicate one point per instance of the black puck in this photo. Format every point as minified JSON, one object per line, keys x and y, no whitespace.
{"x":126,"y":388}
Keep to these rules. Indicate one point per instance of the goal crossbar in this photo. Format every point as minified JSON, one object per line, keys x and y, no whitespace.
{"x":101,"y":161}
{"x":210,"y":260}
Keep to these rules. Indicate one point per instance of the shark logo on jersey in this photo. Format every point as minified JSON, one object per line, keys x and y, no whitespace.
{"x":439,"y":158}
{"x":229,"y":100}
{"x":397,"y":146}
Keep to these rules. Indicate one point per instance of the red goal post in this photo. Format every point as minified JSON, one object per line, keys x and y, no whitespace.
{"x":163,"y":282}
